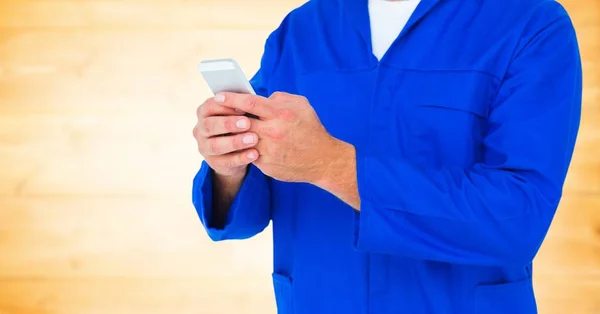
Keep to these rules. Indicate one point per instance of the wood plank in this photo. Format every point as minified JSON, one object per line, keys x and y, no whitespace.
{"x":66,"y":237}
{"x":98,"y":154}
{"x":115,"y":71}
{"x":134,"y":154}
{"x":210,"y":295}
{"x":124,"y":237}
{"x":573,"y":254}
{"x":97,"y":102}
{"x":233,"y":14}
{"x":90,"y":241}
{"x":584,"y":172}
{"x":101,"y":52}
{"x":206,"y":295}
{"x":584,"y":13}
{"x":567,"y":268}
{"x":561,"y":294}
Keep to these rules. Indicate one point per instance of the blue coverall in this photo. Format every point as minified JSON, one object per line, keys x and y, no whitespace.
{"x":464,"y":132}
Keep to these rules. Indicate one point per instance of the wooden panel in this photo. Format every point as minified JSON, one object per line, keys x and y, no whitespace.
{"x":572,"y":246}
{"x":87,"y":240}
{"x":149,"y":154}
{"x":70,"y":237}
{"x":115,"y":71}
{"x":126,"y":154}
{"x":97,"y":103}
{"x":207,"y":295}
{"x":584,"y":173}
{"x":84,"y":228}
{"x":161,"y":14}
{"x":215,"y":296}
{"x":562,"y":294}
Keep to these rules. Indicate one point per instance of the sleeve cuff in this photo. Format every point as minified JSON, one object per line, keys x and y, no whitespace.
{"x":202,"y":191}
{"x":202,"y":198}
{"x":360,"y":217}
{"x":376,"y":191}
{"x":385,"y":224}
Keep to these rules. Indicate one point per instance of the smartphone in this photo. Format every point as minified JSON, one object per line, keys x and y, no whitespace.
{"x":225,"y":75}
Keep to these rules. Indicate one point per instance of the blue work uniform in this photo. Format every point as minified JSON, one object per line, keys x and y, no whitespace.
{"x":464,"y":132}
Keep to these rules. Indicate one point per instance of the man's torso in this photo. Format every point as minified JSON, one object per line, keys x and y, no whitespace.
{"x":426,"y":100}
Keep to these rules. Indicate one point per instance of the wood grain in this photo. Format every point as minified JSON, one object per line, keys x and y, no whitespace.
{"x":97,"y":104}
{"x":137,"y":295}
{"x":112,"y":236}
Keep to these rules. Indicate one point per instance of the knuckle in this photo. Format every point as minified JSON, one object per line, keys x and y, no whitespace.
{"x":239,"y":142}
{"x":286,"y":114}
{"x":203,"y":109}
{"x":200,"y":110}
{"x":228,"y":124}
{"x":278,"y":135}
{"x":267,"y":131}
{"x":204,"y":128}
{"x":274,"y":133}
{"x":303,"y":99}
{"x":264,"y":130}
{"x":277,"y":95}
{"x":250,"y":103}
{"x":214,"y":147}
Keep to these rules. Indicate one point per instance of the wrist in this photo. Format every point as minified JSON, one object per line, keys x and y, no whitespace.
{"x":339,"y":160}
{"x":339,"y":175}
{"x":234,"y":178}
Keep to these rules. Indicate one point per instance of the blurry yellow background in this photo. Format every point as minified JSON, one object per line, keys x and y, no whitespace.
{"x":97,"y":106}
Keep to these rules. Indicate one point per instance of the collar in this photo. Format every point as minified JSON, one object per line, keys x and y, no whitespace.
{"x":358,"y":13}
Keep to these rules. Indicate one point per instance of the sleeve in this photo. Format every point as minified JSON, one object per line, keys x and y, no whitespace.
{"x":250,"y":211}
{"x":496,"y":212}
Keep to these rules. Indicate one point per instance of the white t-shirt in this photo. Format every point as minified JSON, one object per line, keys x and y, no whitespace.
{"x":388,"y":18}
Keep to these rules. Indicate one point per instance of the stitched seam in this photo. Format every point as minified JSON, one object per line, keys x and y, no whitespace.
{"x":333,"y":70}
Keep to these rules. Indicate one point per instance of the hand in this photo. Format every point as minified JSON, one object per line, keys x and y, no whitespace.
{"x":224,"y":140}
{"x":293,"y":143}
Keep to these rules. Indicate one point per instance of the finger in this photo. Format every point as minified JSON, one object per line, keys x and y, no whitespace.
{"x":266,"y":129}
{"x":220,"y":125}
{"x":195,"y":131}
{"x":222,"y":145}
{"x":253,"y":104}
{"x":288,"y":98}
{"x":258,"y":127}
{"x":212,"y":108}
{"x":263,"y":149}
{"x":235,"y":159}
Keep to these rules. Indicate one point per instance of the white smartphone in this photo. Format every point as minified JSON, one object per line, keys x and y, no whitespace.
{"x":225,"y":75}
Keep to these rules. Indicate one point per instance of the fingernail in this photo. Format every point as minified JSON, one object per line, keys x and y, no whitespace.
{"x":238,"y":110}
{"x":241,"y":124}
{"x":248,"y":139}
{"x":219,"y":97}
{"x":251,"y":155}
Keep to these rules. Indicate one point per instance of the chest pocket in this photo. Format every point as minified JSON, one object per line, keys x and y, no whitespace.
{"x":445,"y":114}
